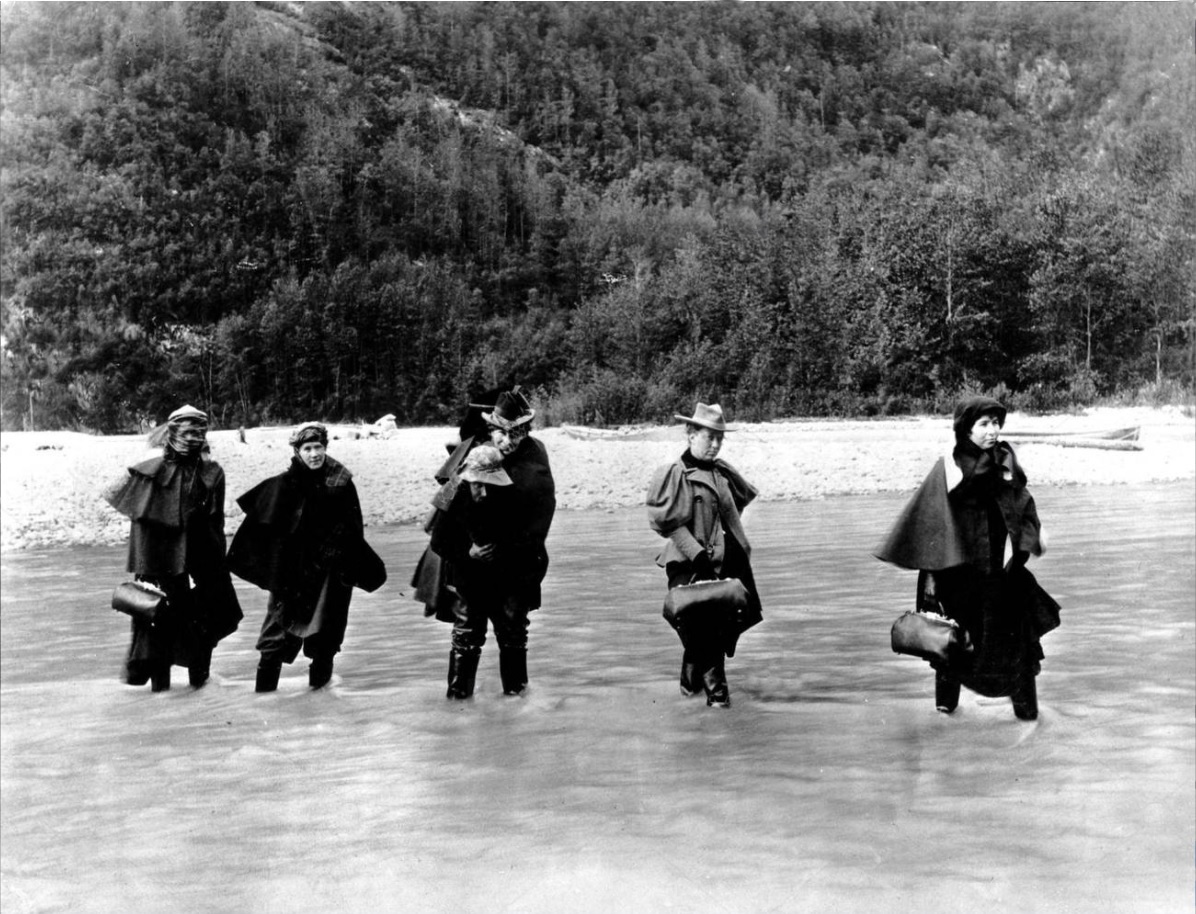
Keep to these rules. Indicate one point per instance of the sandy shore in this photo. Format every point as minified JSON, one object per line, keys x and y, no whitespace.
{"x":50,"y":482}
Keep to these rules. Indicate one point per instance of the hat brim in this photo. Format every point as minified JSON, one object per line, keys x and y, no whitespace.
{"x":690,"y":420}
{"x":508,"y":423}
{"x":490,"y":477}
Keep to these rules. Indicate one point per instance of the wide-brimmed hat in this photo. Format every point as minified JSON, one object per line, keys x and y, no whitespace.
{"x":707,"y":416}
{"x":484,"y":464}
{"x":511,"y":410}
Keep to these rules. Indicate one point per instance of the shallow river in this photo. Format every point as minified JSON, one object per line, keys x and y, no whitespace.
{"x":831,"y":785}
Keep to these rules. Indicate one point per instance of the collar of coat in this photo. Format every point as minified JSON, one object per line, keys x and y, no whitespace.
{"x":741,"y":492}
{"x":335,"y":472}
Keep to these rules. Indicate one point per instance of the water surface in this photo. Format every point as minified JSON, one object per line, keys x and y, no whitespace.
{"x":831,"y":785}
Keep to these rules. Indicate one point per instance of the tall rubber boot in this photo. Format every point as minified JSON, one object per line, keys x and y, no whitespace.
{"x":691,"y":682}
{"x":160,"y":678}
{"x":1025,"y":698}
{"x":946,"y":693}
{"x":512,"y":669}
{"x":463,"y":670}
{"x":320,"y":672}
{"x":267,"y":676}
{"x":136,"y":674}
{"x":200,"y":669}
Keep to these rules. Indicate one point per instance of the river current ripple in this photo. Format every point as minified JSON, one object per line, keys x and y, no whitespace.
{"x":832,"y":785}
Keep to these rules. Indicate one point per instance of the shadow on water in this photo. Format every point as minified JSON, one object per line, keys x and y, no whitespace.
{"x":832,"y":785}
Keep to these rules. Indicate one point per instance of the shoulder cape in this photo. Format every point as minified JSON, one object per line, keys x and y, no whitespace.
{"x":926,"y":535}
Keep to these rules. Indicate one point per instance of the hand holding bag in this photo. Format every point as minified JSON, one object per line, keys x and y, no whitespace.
{"x":929,"y":636}
{"x":726,"y":596}
{"x":138,"y":599}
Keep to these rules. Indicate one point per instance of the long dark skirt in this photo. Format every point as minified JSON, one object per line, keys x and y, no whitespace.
{"x":178,"y":636}
{"x":997,"y":614}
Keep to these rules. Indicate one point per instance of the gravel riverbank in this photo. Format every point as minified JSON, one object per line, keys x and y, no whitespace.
{"x":50,"y":482}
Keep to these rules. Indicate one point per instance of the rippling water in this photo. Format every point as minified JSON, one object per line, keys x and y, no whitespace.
{"x":832,"y":784}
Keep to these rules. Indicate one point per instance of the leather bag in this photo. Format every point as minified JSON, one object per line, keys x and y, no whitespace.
{"x":727,"y":596}
{"x":929,"y":636}
{"x":138,"y":599}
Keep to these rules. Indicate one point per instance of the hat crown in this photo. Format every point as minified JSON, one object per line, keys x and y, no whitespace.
{"x":484,"y":465}
{"x":706,"y":415}
{"x":187,"y":412}
{"x":512,"y":409}
{"x":308,"y":431}
{"x":511,"y":405}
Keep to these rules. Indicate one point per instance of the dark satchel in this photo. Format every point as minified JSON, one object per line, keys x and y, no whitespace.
{"x":929,"y":636}
{"x":725,"y":597}
{"x":138,"y":599}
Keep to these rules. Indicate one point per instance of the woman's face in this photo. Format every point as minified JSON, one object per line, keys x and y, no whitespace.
{"x":312,"y":454}
{"x":704,"y":443}
{"x":507,"y":439}
{"x":986,"y":431}
{"x":190,"y":438}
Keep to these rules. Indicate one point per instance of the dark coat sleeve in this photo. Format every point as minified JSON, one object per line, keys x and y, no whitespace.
{"x":531,"y":519}
{"x":534,"y":493}
{"x":450,"y":537}
{"x":364,"y":568}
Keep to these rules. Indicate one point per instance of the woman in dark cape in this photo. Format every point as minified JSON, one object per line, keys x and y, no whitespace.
{"x":175,"y":506}
{"x":303,"y":541}
{"x":969,"y":531}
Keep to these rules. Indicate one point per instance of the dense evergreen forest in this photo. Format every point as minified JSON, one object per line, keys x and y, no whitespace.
{"x":295,"y":210}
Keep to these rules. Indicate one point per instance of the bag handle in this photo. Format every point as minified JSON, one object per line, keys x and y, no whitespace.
{"x":927,"y":600}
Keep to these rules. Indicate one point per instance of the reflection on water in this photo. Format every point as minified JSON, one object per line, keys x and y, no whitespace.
{"x":832,"y":785}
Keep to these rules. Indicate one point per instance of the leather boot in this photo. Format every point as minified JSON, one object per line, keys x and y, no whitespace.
{"x":200,"y":668}
{"x":946,"y":693}
{"x":267,"y":676}
{"x":1025,"y":698}
{"x":512,"y":669}
{"x":463,"y":670}
{"x":690,"y":681}
{"x":320,"y":672}
{"x":160,"y":678}
{"x":714,"y":679}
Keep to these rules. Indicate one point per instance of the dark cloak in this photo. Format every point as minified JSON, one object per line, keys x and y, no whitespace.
{"x":176,"y":530}
{"x":302,"y":529}
{"x":431,"y":577}
{"x":530,"y":504}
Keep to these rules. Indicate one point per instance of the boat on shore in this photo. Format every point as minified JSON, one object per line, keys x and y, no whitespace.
{"x":1113,"y":439}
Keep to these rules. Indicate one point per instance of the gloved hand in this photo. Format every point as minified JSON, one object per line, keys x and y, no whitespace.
{"x":704,"y":568}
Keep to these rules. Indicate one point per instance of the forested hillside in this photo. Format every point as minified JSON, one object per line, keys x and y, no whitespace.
{"x":281,"y":211}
